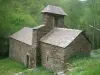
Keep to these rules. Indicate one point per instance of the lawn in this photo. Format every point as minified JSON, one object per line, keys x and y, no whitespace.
{"x":79,"y":66}
{"x":10,"y":67}
{"x":86,"y":66}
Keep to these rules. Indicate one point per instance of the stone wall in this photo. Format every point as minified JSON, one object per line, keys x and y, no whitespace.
{"x":52,"y":57}
{"x":79,"y":47}
{"x":18,"y":51}
{"x":48,"y":22}
{"x":14,"y":50}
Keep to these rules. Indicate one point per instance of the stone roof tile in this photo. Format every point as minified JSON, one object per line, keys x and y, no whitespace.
{"x":25,"y":34}
{"x":61,"y":37}
{"x":54,"y":10}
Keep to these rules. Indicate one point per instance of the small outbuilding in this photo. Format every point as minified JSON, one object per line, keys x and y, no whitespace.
{"x":50,"y":44}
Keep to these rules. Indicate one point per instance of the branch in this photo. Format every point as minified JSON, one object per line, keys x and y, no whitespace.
{"x":94,"y":27}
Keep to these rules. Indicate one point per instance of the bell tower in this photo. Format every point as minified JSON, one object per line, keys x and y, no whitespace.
{"x":53,"y":17}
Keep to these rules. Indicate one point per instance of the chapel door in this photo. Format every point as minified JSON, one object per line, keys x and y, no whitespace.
{"x":27,"y":60}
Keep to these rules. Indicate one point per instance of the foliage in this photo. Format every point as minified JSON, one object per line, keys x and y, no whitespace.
{"x":15,"y":14}
{"x":74,"y":9}
{"x":81,"y":14}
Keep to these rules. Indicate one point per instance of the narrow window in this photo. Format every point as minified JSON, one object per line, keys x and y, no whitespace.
{"x":47,"y":57}
{"x":53,"y":22}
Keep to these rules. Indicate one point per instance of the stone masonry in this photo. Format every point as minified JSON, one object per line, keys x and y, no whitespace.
{"x":50,"y":44}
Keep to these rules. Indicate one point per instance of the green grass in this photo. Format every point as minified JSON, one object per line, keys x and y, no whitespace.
{"x":86,"y":66}
{"x":9,"y":67}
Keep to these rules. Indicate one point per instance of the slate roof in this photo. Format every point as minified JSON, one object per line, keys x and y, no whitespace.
{"x":25,"y":34}
{"x":61,"y":37}
{"x":54,"y":10}
{"x":37,"y":27}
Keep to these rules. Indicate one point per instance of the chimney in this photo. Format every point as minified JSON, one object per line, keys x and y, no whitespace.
{"x":53,"y":17}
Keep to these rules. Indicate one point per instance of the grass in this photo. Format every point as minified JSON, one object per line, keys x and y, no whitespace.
{"x":79,"y":66}
{"x":86,"y":66}
{"x":10,"y":67}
